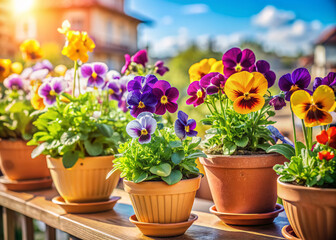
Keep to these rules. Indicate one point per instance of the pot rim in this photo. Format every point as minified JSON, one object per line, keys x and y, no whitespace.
{"x":89,"y":157}
{"x":159,"y":182}
{"x":304,"y":188}
{"x":240,"y":156}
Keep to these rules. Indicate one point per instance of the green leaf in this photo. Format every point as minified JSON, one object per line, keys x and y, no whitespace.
{"x":162,"y":170}
{"x":93,"y":149}
{"x":287,"y":178}
{"x":229,"y":148}
{"x":175,"y":144}
{"x":69,"y":159}
{"x":242,"y":142}
{"x":174,"y":177}
{"x":140,"y":177}
{"x":105,"y":129}
{"x":69,"y":138}
{"x":196,"y":155}
{"x":39,"y":149}
{"x":284,"y":149}
{"x":271,"y":113}
{"x":212,"y":131}
{"x":194,"y":142}
{"x":177,"y":157}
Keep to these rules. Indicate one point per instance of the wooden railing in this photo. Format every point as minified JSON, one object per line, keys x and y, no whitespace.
{"x":114,"y":224}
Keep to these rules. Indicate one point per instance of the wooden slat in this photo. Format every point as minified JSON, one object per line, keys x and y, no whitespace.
{"x":8,"y":217}
{"x":50,"y":233}
{"x":27,"y":228}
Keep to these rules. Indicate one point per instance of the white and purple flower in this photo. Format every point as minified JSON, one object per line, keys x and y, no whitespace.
{"x":14,"y":82}
{"x":95,"y":73}
{"x":50,"y":89}
{"x":143,"y":127}
{"x":184,"y":127}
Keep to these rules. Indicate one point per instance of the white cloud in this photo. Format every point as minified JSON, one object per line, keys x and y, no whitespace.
{"x":191,"y":9}
{"x":223,"y":42}
{"x":271,"y":17}
{"x":167,"y":20}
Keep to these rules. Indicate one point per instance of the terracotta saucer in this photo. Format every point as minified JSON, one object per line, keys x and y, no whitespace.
{"x":163,"y":229}
{"x":248,"y":219}
{"x":26,"y":185}
{"x":288,"y":232}
{"x":91,"y":207}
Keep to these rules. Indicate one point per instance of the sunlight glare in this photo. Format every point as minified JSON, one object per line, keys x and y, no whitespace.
{"x":21,"y":6}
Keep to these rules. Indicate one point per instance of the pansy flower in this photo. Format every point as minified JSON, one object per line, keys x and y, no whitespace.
{"x":264,"y":68}
{"x":278,"y":102}
{"x":166,"y":96}
{"x":31,"y":50}
{"x":184,"y":126}
{"x":247,"y":91}
{"x":314,"y":109}
{"x":142,"y":84}
{"x":235,"y":60}
{"x":14,"y":82}
{"x":45,"y":64}
{"x":140,"y":57}
{"x":200,"y":69}
{"x":326,"y":155}
{"x":299,"y":79}
{"x":327,"y":137}
{"x":50,"y":89}
{"x":143,"y":127}
{"x":329,"y":80}
{"x":160,"y":68}
{"x":5,"y":68}
{"x":197,"y":94}
{"x":141,"y":102}
{"x":213,"y":83}
{"x":95,"y":73}
{"x":127,"y":63}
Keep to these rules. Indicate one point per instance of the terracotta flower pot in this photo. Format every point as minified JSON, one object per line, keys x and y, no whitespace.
{"x":86,"y":180}
{"x":311,"y":211}
{"x":157,"y":202}
{"x":243,"y":184}
{"x":17,"y":164}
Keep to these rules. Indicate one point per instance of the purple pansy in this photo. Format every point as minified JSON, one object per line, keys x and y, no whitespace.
{"x":329,"y":80}
{"x":127,"y":63}
{"x":184,"y":126}
{"x":235,"y":60}
{"x":95,"y":73}
{"x":141,"y":102}
{"x":264,"y":68}
{"x":50,"y":89}
{"x":213,"y":83}
{"x":45,"y":64}
{"x":197,"y":94}
{"x":160,"y":68}
{"x":299,"y":79}
{"x":277,"y":102}
{"x":14,"y":82}
{"x":143,"y":127}
{"x":142,"y":84}
{"x":166,"y":96}
{"x":140,"y":57}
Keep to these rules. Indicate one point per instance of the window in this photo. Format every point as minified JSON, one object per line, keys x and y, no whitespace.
{"x":109,"y":32}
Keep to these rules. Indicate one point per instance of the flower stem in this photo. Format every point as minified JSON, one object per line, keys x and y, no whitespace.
{"x":305,"y":135}
{"x":294,"y":131}
{"x":74,"y":80}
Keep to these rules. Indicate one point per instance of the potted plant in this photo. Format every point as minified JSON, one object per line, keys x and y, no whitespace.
{"x":237,"y":167}
{"x":307,"y":183}
{"x":16,"y":128}
{"x":158,"y":164}
{"x":82,"y":126}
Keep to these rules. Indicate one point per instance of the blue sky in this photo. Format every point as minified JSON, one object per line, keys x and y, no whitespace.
{"x":286,"y":26}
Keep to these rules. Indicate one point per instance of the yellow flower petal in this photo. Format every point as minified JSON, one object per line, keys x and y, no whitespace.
{"x":16,"y":67}
{"x":65,"y":27}
{"x":237,"y":84}
{"x":301,"y":102}
{"x":244,"y":106}
{"x":217,"y":67}
{"x":324,"y":98}
{"x":259,"y":84}
{"x":317,"y":118}
{"x":60,"y":70}
{"x":5,"y":65}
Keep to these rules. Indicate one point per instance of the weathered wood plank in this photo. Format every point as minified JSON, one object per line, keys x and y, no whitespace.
{"x":8,"y":218}
{"x":27,"y":228}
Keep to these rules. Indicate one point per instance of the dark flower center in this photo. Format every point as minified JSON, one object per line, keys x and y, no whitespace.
{"x":144,"y":132}
{"x":164,"y":99}
{"x":187,"y":128}
{"x":199,"y":93}
{"x":294,"y":88}
{"x":247,"y":96}
{"x":141,"y":105}
{"x":238,"y":67}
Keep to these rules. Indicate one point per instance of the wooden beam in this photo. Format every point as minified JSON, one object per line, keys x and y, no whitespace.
{"x":8,"y":217}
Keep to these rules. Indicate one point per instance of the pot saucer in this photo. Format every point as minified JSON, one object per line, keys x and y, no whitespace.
{"x":288,"y":232}
{"x":163,"y":229}
{"x":248,"y":219}
{"x":26,"y":185}
{"x":91,"y":207}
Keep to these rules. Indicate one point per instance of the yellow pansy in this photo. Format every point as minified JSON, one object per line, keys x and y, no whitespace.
{"x":31,"y":50}
{"x":5,"y":65}
{"x":198,"y":70}
{"x":88,"y":42}
{"x":76,"y":51}
{"x":314,"y":109}
{"x":247,"y":91}
{"x":36,"y":100}
{"x":217,"y":67}
{"x":16,"y":67}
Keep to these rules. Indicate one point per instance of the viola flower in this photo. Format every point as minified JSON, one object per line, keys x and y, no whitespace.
{"x":87,"y":41}
{"x":76,"y":51}
{"x":45,"y":64}
{"x":235,"y":60}
{"x":200,"y":69}
{"x":326,"y":155}
{"x":247,"y":91}
{"x":143,"y":127}
{"x":327,"y":137}
{"x":116,"y":89}
{"x":213,"y":83}
{"x":127,"y":63}
{"x":5,"y":67}
{"x":160,"y":68}
{"x":166,"y":96}
{"x":197,"y":94}
{"x":217,"y":67}
{"x":141,"y":102}
{"x":329,"y":80}
{"x":142,"y":84}
{"x":314,"y":109}
{"x":299,"y":79}
{"x":50,"y":89}
{"x":184,"y":126}
{"x":277,"y":102}
{"x":264,"y":68}
{"x":276,"y":135}
{"x":31,"y":50}
{"x":14,"y":82}
{"x":95,"y":73}
{"x":140,"y":57}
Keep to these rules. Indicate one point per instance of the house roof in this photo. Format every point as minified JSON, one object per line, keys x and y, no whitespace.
{"x":327,"y":37}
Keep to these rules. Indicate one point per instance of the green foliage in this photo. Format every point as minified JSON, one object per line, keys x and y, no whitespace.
{"x":165,"y":158}
{"x":15,"y":116}
{"x":72,"y":131}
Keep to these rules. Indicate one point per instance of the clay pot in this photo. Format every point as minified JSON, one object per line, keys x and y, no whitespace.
{"x":86,"y":180}
{"x":158,"y":202}
{"x":243,"y":183}
{"x":311,"y":211}
{"x":17,"y":164}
